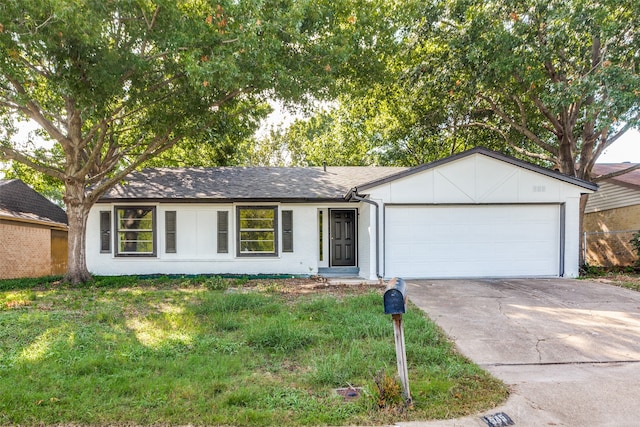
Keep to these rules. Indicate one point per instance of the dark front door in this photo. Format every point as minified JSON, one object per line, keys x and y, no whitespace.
{"x":343,"y":238}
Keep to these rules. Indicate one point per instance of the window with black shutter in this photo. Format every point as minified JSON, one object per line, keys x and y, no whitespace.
{"x":287,"y":231}
{"x":170,"y":231}
{"x":135,"y":231}
{"x":223,"y":232}
{"x":105,"y":231}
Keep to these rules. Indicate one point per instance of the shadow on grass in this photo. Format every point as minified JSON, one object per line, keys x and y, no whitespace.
{"x":166,"y":354}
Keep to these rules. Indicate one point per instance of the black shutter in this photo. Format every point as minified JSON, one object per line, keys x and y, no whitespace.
{"x":105,"y":231}
{"x":170,"y":231}
{"x":287,"y":231}
{"x":223,"y":232}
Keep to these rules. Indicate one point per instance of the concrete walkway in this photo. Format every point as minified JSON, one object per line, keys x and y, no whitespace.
{"x":568,"y":349}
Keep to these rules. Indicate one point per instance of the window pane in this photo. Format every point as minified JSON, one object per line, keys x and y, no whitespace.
{"x":256,"y":235}
{"x":257,"y":231}
{"x":255,"y":246}
{"x":135,"y":230}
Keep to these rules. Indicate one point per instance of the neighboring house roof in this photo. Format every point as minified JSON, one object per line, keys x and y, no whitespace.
{"x":631,"y":179}
{"x":245,"y":183}
{"x":21,"y":202}
{"x":617,"y":192}
{"x":274,"y":183}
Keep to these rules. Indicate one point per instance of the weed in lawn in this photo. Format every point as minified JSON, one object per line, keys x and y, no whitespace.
{"x":340,"y":368}
{"x":214,"y":302}
{"x":270,"y":287}
{"x":280,"y":334}
{"x":245,"y":397}
{"x":227,"y":322}
{"x":216,"y":283}
{"x":388,"y":393}
{"x":148,"y":352}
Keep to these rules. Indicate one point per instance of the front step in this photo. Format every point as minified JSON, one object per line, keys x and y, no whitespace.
{"x":338,"y":271}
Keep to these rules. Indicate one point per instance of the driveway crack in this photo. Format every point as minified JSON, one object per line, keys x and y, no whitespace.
{"x":540,"y":340}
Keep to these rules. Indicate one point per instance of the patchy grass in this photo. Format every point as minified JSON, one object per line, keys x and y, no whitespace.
{"x":211,"y":351}
{"x":625,"y":277}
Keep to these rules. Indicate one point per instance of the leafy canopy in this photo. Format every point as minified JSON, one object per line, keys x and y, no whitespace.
{"x":114,"y":84}
{"x":557,"y":80}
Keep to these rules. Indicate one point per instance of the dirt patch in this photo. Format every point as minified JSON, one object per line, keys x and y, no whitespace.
{"x":625,"y":280}
{"x":312,"y":285}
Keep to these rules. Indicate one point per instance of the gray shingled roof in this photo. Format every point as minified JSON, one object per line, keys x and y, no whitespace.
{"x":271,"y":183}
{"x":18,"y":200}
{"x":246,"y":183}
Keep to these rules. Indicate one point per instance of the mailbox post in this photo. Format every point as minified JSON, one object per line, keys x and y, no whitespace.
{"x":395,"y":300}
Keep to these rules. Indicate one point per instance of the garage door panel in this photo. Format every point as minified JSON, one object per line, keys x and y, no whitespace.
{"x":472,"y":241}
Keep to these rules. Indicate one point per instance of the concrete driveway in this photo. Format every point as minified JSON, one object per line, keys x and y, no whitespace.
{"x":568,"y":349}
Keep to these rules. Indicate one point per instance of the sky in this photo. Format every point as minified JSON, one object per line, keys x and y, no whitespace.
{"x":626,"y":149}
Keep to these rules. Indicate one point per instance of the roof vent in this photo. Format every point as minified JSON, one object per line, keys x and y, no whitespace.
{"x":324,"y":166}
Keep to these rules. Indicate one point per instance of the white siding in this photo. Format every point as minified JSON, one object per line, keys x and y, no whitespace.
{"x":197,"y":245}
{"x":475,"y":179}
{"x":366,"y":240}
{"x":482,"y":180}
{"x":611,"y":196}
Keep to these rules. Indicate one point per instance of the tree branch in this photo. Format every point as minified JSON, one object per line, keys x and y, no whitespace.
{"x":32,"y":110}
{"x":559,"y":129}
{"x":160,"y":144}
{"x":509,"y":142}
{"x":622,"y":131}
{"x":150,"y":26}
{"x":616,"y":173}
{"x":525,"y":131}
{"x":9,"y":153}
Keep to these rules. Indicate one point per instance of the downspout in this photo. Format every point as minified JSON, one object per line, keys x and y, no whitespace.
{"x":354,"y":196}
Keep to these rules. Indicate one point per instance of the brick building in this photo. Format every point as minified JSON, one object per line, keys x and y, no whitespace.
{"x":33,"y":233}
{"x":612,"y":216}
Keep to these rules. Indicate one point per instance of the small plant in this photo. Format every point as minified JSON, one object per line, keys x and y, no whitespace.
{"x":216,"y":283}
{"x":592,"y":270}
{"x":280,"y":335}
{"x":635,"y":242}
{"x":388,"y":393}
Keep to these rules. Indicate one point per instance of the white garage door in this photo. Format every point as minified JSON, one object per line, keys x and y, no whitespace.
{"x":472,"y":241}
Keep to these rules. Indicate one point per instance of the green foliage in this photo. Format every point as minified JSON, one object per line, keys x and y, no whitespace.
{"x":552,"y":82}
{"x":280,"y":335}
{"x":635,"y":242}
{"x":216,"y":283}
{"x":158,"y":352}
{"x":588,"y":270}
{"x":51,"y":188}
{"x":113,"y":85}
{"x":553,"y":79}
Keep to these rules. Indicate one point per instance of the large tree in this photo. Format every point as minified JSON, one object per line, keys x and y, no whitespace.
{"x":114,"y":84}
{"x":557,"y":80}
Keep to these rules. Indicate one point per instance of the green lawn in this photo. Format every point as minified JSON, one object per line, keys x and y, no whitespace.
{"x":187,"y":351}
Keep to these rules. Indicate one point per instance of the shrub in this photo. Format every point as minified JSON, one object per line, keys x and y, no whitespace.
{"x":635,"y":242}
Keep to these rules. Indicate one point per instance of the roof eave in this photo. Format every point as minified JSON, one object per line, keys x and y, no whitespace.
{"x":489,"y":153}
{"x":50,"y":224}
{"x":223,"y":200}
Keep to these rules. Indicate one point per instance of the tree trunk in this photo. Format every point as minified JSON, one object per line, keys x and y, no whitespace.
{"x":566,"y":158}
{"x":77,"y":212}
